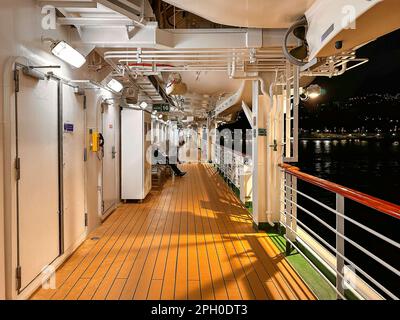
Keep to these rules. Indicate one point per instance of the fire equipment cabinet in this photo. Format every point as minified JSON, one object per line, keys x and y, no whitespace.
{"x":135,"y":154}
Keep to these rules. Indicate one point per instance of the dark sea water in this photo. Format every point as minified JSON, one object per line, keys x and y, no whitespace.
{"x":372,"y":167}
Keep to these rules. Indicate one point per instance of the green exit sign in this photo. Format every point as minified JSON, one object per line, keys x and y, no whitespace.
{"x":262,"y":132}
{"x":163,"y":107}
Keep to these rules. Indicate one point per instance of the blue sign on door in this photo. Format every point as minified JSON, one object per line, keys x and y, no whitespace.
{"x":68,"y":127}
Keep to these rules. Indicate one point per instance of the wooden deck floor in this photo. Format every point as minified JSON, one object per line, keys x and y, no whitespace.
{"x":191,"y":240}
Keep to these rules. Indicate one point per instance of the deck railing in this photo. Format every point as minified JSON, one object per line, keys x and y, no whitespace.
{"x":231,"y":163}
{"x":356,"y":277}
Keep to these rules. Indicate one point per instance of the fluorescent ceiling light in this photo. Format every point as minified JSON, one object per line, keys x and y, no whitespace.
{"x":115,"y":85}
{"x":65,"y":52}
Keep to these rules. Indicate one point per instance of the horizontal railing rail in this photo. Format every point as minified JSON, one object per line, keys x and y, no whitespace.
{"x":362,"y":198}
{"x":341,"y":264}
{"x":231,"y":163}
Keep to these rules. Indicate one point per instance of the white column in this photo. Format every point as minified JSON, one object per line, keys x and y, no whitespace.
{"x":211,"y":133}
{"x":255,"y":151}
{"x":157,"y":135}
{"x":275,"y":121}
{"x":259,"y":150}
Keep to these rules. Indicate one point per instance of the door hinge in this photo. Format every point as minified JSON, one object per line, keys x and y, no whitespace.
{"x":86,"y":219}
{"x":16,"y":80}
{"x":84,"y":103}
{"x":102,"y":206}
{"x":18,"y":168}
{"x":85,"y":154}
{"x":18,"y":278}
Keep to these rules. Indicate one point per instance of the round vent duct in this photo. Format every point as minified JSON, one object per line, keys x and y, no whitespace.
{"x":297,"y":56}
{"x":175,"y":86}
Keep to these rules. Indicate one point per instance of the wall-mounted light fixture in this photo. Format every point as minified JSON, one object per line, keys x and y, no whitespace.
{"x":312,"y":92}
{"x":65,"y":52}
{"x":115,"y":85}
{"x":143,"y":105}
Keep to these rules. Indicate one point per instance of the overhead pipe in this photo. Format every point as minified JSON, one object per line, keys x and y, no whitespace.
{"x":149,"y":65}
{"x":262,"y":82}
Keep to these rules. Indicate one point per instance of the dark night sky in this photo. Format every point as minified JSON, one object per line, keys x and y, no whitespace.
{"x":379,"y":75}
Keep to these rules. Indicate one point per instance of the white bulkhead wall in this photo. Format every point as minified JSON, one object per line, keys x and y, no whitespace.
{"x":20,"y":22}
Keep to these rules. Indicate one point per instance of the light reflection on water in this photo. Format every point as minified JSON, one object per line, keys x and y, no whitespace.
{"x":370,"y":166}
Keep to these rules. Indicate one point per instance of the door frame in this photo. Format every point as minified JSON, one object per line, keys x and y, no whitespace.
{"x":17,"y":74}
{"x":105,"y":213}
{"x":61,"y":167}
{"x":10,"y":183}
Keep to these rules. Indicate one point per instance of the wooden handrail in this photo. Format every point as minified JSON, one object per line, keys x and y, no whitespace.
{"x":383,"y":206}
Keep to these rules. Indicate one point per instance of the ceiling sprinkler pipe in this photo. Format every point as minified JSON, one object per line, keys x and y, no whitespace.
{"x":222,"y":53}
{"x":149,"y":65}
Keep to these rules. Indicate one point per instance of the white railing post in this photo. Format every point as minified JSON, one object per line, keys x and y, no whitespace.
{"x":294,"y":208}
{"x":340,"y":245}
{"x":288,"y":212}
{"x":344,"y":268}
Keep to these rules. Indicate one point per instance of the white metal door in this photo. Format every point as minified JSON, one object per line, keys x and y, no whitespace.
{"x":147,"y":150}
{"x":109,"y":160}
{"x":135,"y":154}
{"x":132,"y":157}
{"x":73,"y":166}
{"x":38,"y":185}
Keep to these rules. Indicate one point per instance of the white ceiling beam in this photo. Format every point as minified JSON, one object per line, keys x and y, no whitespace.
{"x":231,"y":101}
{"x":131,"y":31}
{"x":248,"y":113}
{"x":92,"y":21}
{"x":135,"y":7}
{"x":152,"y":37}
{"x":67,"y":4}
{"x":122,"y":11}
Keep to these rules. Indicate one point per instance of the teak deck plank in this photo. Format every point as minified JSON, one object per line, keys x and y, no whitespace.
{"x":110,"y":277}
{"x":192,"y":239}
{"x":169,"y":277}
{"x":147,"y":245}
{"x":181,"y":277}
{"x":147,"y":271}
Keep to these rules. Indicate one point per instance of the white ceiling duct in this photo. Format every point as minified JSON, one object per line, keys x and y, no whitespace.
{"x":249,"y":13}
